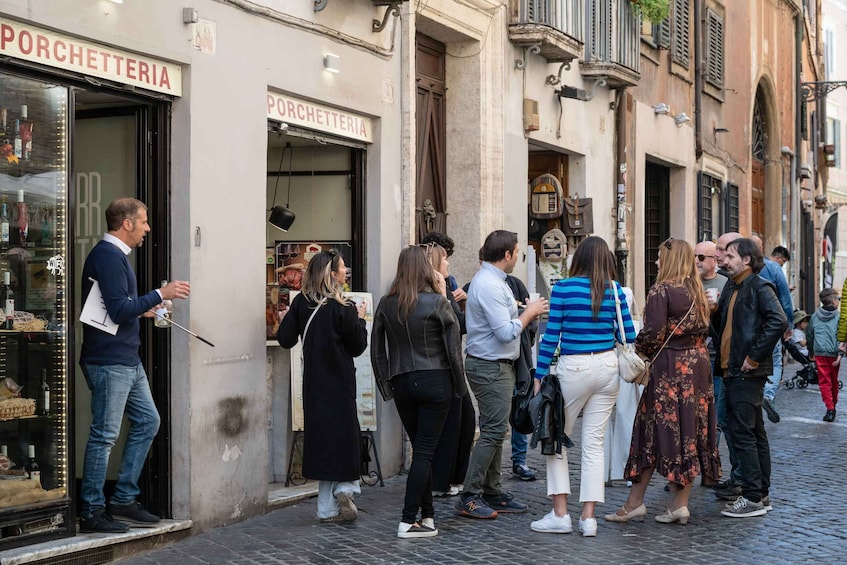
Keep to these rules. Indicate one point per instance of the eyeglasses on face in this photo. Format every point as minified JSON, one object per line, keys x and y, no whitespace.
{"x":702,"y":258}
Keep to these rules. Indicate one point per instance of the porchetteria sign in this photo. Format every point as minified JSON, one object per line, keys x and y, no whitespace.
{"x":37,"y":45}
{"x":298,"y":112}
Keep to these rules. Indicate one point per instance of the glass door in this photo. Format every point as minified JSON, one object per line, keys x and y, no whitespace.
{"x":34,"y":343}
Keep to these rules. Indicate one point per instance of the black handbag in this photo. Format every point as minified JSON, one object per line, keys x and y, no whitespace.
{"x":520,"y":417}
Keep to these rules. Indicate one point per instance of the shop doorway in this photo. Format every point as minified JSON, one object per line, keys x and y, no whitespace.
{"x":320,"y":179}
{"x":118,"y":150}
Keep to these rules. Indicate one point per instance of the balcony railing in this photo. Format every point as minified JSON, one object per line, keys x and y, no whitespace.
{"x":556,"y":27}
{"x":612,"y":46}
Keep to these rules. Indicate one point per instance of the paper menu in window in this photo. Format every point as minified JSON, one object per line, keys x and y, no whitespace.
{"x":94,"y":311}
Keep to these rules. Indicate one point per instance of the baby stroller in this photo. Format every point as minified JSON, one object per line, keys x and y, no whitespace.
{"x":807,"y":374}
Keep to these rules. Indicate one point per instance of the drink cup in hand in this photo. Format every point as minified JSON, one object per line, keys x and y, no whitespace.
{"x":712,"y":294}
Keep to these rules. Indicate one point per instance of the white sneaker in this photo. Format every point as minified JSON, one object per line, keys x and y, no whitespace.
{"x":454,"y":490}
{"x":588,"y":527}
{"x":429,"y":523}
{"x":552,"y":524}
{"x":412,"y":531}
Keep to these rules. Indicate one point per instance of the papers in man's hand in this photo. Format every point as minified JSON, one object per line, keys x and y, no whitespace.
{"x":94,"y":311}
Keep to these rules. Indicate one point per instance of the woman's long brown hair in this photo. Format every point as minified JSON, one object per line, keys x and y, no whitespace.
{"x":592,"y":259}
{"x":414,"y":275}
{"x":677,"y":265}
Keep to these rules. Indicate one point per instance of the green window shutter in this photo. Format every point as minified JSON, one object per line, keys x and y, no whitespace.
{"x":681,"y":32}
{"x":714,"y":49}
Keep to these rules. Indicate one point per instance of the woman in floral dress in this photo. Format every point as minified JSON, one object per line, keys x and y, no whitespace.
{"x":675,"y":426}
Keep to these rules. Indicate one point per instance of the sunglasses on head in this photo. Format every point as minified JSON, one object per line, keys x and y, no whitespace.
{"x":702,"y":258}
{"x":667,"y":242}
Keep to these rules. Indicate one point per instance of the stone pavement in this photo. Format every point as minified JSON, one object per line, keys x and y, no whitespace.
{"x":808,"y":523}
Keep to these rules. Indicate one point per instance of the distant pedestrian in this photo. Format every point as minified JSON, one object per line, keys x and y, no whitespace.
{"x":798,"y":336}
{"x":821,"y":337}
{"x":333,"y":332}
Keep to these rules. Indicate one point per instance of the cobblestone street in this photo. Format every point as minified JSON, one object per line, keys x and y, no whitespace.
{"x":808,"y":522}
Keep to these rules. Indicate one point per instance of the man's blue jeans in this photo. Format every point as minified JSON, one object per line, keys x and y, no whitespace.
{"x":519,"y":444}
{"x":115,"y":390}
{"x":771,"y":387}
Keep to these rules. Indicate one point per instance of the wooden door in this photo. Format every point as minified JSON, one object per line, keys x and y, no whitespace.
{"x":757,"y":199}
{"x":431,"y":186}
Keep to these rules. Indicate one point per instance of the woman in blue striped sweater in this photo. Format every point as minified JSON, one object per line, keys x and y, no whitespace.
{"x":582,"y":325}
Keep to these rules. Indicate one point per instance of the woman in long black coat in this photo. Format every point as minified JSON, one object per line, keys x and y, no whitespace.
{"x":333,"y":331}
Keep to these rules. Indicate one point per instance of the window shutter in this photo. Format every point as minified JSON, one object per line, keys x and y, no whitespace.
{"x":681,"y":32}
{"x":731,"y":207}
{"x":714,"y":49}
{"x":663,"y":35}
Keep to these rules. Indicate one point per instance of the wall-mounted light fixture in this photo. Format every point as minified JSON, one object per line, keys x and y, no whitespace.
{"x":281,"y":216}
{"x":118,"y":1}
{"x":332,"y":63}
{"x":681,"y":118}
{"x":661,"y":109}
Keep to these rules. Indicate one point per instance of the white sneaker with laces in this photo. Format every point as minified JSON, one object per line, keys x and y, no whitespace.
{"x":552,"y":524}
{"x":588,"y":527}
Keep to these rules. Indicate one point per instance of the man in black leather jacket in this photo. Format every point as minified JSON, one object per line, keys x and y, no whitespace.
{"x":749,"y":321}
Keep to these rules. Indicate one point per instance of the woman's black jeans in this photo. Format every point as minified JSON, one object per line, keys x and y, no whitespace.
{"x":423,"y":400}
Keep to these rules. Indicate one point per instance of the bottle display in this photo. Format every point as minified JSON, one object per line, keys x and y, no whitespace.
{"x":18,"y":143}
{"x":45,"y":394}
{"x":32,"y":469}
{"x":36,"y":495}
{"x":163,"y":314}
{"x":8,"y":302}
{"x":4,"y":224}
{"x":23,"y":218}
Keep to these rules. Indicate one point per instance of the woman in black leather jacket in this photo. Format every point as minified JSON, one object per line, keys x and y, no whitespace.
{"x":416,"y":354}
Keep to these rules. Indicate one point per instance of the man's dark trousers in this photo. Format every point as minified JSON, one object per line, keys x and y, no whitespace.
{"x":746,"y":428}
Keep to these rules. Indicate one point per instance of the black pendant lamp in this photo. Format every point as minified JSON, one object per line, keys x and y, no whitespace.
{"x":281,"y":216}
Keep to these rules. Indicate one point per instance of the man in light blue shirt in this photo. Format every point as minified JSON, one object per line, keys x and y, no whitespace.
{"x":493,"y":344}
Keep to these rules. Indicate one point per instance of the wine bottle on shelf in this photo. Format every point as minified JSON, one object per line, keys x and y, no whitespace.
{"x":23,"y":218}
{"x":18,"y":143}
{"x":4,"y":224}
{"x":163,"y":314}
{"x":32,"y":469}
{"x":8,"y":301}
{"x":26,"y":134}
{"x":45,"y":394}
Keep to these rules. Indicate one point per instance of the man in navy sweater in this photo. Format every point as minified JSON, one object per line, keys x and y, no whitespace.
{"x":114,"y":373}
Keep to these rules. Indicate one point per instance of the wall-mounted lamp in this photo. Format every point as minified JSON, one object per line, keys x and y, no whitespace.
{"x":786,"y":151}
{"x":681,"y":118}
{"x":281,"y":216}
{"x":331,"y":63}
{"x":118,"y":1}
{"x":661,"y":109}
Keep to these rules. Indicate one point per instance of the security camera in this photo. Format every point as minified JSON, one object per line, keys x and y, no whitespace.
{"x":283,"y":127}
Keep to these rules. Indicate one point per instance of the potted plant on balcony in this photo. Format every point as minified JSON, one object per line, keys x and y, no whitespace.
{"x":652,"y":10}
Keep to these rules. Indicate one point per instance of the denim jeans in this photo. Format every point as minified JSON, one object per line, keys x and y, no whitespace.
{"x":423,"y":400}
{"x":327,"y":490}
{"x":746,"y":430}
{"x":492,"y":384}
{"x":115,"y":390}
{"x":776,"y":377}
{"x":519,"y":445}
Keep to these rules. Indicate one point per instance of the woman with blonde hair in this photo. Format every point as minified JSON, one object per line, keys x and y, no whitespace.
{"x":333,"y":332}
{"x":416,"y":353}
{"x":675,"y":426}
{"x":583,"y":325}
